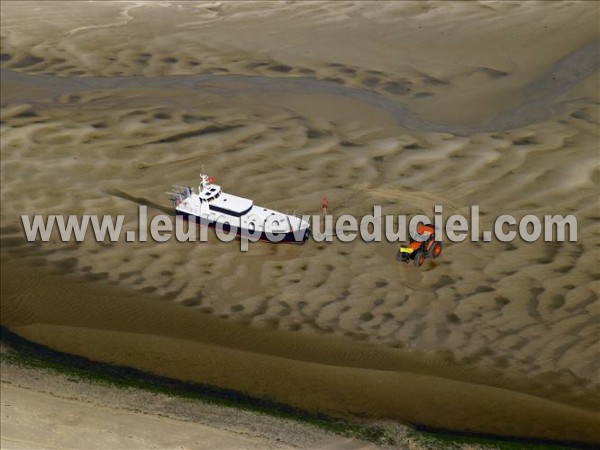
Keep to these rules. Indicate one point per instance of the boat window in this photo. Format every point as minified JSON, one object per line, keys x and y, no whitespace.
{"x":229,"y":212}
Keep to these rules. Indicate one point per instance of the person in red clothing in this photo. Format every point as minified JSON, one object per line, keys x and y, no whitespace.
{"x":324,"y":204}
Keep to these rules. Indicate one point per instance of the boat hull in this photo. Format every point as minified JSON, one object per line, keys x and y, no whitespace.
{"x":288,"y":238}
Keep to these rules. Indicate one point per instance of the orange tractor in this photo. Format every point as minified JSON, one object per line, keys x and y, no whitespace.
{"x":417,"y":251}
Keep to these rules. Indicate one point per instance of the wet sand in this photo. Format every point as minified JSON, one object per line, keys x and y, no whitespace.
{"x":492,"y":337}
{"x":87,"y":414}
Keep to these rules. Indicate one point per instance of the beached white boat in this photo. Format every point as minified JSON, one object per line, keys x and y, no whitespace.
{"x":208,"y":205}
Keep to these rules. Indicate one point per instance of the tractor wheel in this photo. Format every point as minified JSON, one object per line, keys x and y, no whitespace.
{"x":436,"y":250}
{"x":419,"y":259}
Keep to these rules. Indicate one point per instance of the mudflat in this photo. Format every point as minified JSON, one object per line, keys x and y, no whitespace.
{"x":405,"y":105}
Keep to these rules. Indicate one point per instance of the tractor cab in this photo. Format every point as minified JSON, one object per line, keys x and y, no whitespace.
{"x":419,"y":250}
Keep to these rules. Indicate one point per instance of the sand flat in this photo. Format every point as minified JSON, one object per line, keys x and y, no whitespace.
{"x":407,"y":105}
{"x":30,"y":414}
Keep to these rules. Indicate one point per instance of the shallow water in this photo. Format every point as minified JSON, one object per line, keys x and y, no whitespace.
{"x":539,"y":105}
